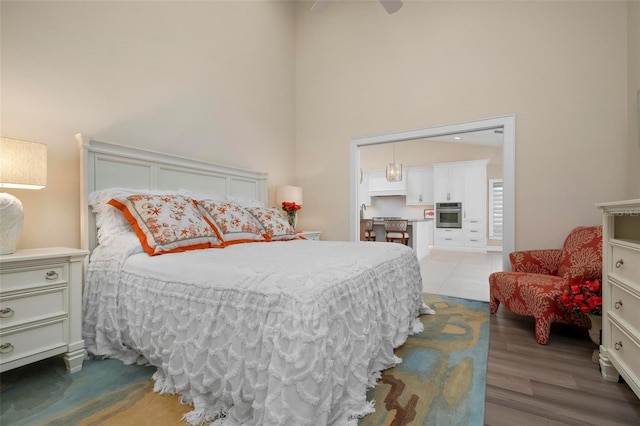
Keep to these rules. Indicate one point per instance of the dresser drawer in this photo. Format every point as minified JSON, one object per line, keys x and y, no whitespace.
{"x":33,"y":340}
{"x":448,"y":237}
{"x":31,"y":277}
{"x":37,"y":305}
{"x":475,"y":241}
{"x":625,"y":264}
{"x":625,"y":350}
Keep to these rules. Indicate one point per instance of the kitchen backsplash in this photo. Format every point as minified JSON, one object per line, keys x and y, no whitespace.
{"x":395,"y":206}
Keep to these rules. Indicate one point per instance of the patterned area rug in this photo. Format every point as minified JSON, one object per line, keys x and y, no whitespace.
{"x":441,"y":381}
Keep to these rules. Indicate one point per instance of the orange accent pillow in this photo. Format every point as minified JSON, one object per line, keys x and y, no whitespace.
{"x":167,"y":223}
{"x":273,"y":224}
{"x":233,"y":223}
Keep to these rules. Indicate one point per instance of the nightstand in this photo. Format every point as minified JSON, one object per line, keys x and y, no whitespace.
{"x":311,"y":235}
{"x":41,"y":306}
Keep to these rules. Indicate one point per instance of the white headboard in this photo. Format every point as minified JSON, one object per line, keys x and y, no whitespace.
{"x":105,"y":165}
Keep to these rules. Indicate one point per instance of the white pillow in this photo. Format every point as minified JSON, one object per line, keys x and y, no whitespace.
{"x":245,"y":202}
{"x":200,"y":195}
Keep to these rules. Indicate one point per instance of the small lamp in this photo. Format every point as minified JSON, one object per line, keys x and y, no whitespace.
{"x":290,"y":194}
{"x":23,"y":165}
{"x":394,"y":170}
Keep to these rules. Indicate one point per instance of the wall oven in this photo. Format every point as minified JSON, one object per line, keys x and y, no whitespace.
{"x":448,"y":215}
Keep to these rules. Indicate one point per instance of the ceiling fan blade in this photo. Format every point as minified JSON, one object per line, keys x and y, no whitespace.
{"x":320,"y":5}
{"x":391,"y":6}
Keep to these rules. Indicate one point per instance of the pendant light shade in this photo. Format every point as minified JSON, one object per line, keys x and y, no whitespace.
{"x":394,"y":171}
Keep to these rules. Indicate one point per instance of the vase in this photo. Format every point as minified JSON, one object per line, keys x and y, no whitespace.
{"x":292,"y":218}
{"x":595,"y":331}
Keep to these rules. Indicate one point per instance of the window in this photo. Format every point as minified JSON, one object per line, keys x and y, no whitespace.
{"x":496,"y":207}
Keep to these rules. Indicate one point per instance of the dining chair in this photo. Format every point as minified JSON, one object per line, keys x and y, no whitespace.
{"x":396,"y":230}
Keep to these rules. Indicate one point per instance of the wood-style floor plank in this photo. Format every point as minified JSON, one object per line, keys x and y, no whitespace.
{"x":550,"y":385}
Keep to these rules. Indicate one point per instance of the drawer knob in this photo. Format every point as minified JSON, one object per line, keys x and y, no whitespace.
{"x":6,"y":313}
{"x":6,"y":348}
{"x":619,"y":263}
{"x":618,"y":304}
{"x":52,"y":275}
{"x":618,"y":346}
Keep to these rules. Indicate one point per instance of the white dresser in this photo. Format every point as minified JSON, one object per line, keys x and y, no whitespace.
{"x":620,"y":349}
{"x":41,"y":306}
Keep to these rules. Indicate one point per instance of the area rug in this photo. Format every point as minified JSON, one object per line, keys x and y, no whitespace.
{"x":441,"y":381}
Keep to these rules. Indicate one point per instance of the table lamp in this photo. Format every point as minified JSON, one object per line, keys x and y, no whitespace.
{"x":23,"y":165}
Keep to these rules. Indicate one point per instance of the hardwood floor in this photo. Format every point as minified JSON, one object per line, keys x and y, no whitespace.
{"x":555,"y":384}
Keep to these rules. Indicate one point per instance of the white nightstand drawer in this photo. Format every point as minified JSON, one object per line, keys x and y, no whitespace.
{"x":27,"y":278}
{"x":33,"y":340}
{"x":32,"y":306}
{"x":625,"y":264}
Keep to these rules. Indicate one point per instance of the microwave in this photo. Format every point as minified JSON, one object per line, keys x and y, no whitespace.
{"x":448,"y":215}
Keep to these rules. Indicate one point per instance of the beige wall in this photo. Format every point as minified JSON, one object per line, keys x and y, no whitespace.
{"x":208,"y":80}
{"x":269,"y":85}
{"x":560,"y":67}
{"x":633,"y":25}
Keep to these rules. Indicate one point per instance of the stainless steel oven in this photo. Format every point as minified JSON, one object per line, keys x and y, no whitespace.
{"x":448,"y":215}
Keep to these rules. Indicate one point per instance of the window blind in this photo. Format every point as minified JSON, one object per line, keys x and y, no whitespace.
{"x":496,"y":208}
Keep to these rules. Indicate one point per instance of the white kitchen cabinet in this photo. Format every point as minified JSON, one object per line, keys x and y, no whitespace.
{"x":474,"y":205}
{"x":448,"y":182}
{"x":465,"y":182}
{"x":419,"y":186}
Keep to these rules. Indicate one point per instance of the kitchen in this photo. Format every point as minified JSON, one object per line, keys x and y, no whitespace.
{"x":433,"y":173}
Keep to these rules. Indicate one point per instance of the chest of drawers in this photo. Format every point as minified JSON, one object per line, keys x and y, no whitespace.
{"x":40,"y":307}
{"x":620,"y":349}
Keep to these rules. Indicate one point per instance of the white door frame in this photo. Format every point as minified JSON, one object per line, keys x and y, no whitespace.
{"x":506,"y":123}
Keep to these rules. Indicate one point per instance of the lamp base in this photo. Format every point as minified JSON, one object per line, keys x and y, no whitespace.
{"x":11,"y":219}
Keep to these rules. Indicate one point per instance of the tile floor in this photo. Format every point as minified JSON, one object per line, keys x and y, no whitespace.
{"x":459,"y":274}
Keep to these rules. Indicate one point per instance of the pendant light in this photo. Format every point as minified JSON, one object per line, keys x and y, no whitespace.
{"x":394,"y":171}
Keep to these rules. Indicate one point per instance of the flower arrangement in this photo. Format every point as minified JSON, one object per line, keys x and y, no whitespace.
{"x":291,"y":209}
{"x":585,"y":297}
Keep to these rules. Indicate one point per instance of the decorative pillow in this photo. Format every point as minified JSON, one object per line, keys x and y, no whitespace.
{"x":273,"y":223}
{"x":233,"y":223}
{"x":167,"y":223}
{"x":109,"y":220}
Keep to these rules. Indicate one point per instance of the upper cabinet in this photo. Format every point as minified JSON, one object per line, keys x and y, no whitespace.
{"x":420,"y":186}
{"x":448,"y":182}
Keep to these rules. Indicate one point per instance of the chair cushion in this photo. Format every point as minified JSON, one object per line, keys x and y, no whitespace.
{"x":581,"y":257}
{"x":397,"y":235}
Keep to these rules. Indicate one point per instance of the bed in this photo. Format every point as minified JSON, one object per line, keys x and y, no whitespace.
{"x":276,"y":331}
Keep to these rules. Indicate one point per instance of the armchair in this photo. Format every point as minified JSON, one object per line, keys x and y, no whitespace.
{"x":539,"y":277}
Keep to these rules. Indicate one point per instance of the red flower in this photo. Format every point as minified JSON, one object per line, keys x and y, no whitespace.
{"x":290,"y":206}
{"x":583,"y":297}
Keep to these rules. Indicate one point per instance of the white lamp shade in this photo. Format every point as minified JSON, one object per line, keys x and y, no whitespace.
{"x":22,"y":164}
{"x":289,"y":193}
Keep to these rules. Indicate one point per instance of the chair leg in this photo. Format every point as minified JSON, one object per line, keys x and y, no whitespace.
{"x":543,"y":328}
{"x":494,"y":304}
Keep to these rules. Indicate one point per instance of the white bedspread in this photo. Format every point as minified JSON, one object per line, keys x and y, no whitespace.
{"x":280,"y":333}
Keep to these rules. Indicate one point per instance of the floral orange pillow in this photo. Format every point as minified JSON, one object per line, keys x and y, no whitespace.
{"x":233,"y":223}
{"x":273,"y":223}
{"x":167,"y":223}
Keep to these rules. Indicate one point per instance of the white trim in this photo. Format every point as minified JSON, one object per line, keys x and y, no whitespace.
{"x":508,"y":125}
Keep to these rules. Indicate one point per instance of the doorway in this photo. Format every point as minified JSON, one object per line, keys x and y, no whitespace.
{"x":506,"y":124}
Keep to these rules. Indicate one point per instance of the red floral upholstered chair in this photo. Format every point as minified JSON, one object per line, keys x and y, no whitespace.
{"x":539,"y":277}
